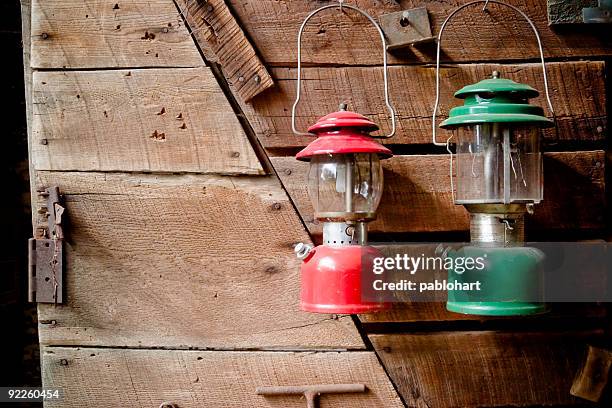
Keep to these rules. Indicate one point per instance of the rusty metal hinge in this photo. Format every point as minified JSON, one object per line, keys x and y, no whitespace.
{"x":46,"y":253}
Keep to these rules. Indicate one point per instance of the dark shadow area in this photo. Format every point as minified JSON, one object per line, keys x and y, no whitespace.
{"x":20,"y":351}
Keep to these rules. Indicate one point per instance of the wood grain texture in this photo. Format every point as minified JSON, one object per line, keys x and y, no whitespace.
{"x":472,"y":35}
{"x":183,"y":261}
{"x":147,"y":378}
{"x":436,"y":312}
{"x":417,"y":196}
{"x":110,"y":34}
{"x":483,"y":369}
{"x":26,"y":13}
{"x":222,"y":40}
{"x":158,"y":120}
{"x":577,"y":90}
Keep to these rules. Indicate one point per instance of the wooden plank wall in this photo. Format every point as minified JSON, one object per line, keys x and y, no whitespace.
{"x":182,"y":234}
{"x":437,"y":358}
{"x":179,"y":236}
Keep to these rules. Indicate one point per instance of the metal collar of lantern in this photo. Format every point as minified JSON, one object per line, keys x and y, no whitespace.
{"x":345,"y":184}
{"x":498,"y":180}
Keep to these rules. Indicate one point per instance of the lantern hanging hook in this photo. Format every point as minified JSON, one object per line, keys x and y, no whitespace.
{"x":299,"y":67}
{"x":439,"y":42}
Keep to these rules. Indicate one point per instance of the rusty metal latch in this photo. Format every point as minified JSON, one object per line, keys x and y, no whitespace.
{"x":407,"y":27}
{"x":46,"y":252}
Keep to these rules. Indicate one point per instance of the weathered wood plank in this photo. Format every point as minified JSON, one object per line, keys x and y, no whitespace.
{"x":483,"y":369}
{"x":222,"y":40}
{"x":148,"y":378}
{"x":183,"y":261}
{"x":577,"y":90}
{"x":417,"y":196}
{"x":110,"y":34}
{"x":333,"y":38}
{"x":159,"y":120}
{"x":436,"y":312}
{"x":26,"y":14}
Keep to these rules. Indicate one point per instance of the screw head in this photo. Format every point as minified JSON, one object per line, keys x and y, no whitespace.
{"x":287,"y":172}
{"x":44,"y":142}
{"x":44,"y":36}
{"x":257,"y":79}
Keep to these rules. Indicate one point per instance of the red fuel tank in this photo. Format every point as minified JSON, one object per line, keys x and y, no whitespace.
{"x":331,"y":279}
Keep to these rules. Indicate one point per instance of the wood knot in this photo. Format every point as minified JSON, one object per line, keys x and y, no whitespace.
{"x":271,"y":270}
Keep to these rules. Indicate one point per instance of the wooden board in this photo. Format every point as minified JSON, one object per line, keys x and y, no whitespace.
{"x":222,"y":40}
{"x":472,"y":35}
{"x":577,"y":90}
{"x":417,"y":195}
{"x":26,"y":12}
{"x":483,"y":369}
{"x":158,"y":120}
{"x":110,"y":34}
{"x":436,"y":312}
{"x":148,"y":378}
{"x":183,"y":261}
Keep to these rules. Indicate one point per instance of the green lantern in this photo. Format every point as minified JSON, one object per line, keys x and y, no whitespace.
{"x":497,"y":133}
{"x":499,"y":178}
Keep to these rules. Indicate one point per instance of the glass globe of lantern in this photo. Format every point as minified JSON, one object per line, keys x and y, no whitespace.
{"x":499,"y":160}
{"x":345,"y":178}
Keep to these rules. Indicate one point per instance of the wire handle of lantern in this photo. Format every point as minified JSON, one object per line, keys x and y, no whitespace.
{"x":439,"y":42}
{"x":342,"y":6}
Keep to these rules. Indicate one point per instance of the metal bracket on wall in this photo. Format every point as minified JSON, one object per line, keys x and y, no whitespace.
{"x":407,"y":27}
{"x":598,"y":15}
{"x":45,"y":253}
{"x":579,"y":11}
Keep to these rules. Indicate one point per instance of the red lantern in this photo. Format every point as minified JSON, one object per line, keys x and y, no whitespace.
{"x":345,"y":184}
